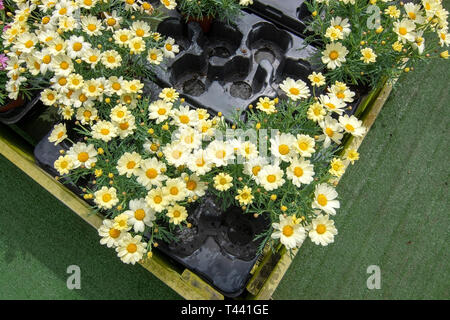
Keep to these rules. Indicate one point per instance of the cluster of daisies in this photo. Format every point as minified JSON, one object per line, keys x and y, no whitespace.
{"x":146,"y":165}
{"x":364,"y":35}
{"x":87,"y":50}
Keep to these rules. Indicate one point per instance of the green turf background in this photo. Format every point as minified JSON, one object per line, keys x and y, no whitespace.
{"x":395,"y":214}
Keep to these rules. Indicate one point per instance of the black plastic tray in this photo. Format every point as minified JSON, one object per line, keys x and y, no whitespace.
{"x":290,"y":14}
{"x":232,"y":66}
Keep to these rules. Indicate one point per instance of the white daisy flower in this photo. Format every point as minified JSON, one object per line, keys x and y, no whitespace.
{"x":59,"y":133}
{"x":110,"y":235}
{"x":184,"y":116}
{"x":300,"y":172}
{"x":159,"y":110}
{"x":175,"y":189}
{"x":295,"y":89}
{"x":170,"y":49}
{"x":86,"y":115}
{"x":220,"y":153}
{"x":322,"y":230}
{"x":253,"y":166}
{"x":194,"y":186}
{"x":151,"y":173}
{"x":332,"y":103}
{"x":305,"y":145}
{"x":189,"y":137}
{"x":155,"y":56}
{"x":334,"y":55}
{"x":63,"y":164}
{"x":291,"y":235}
{"x":140,"y":215}
{"x":176,"y":154}
{"x":82,"y":154}
{"x":283,"y":146}
{"x":352,"y":125}
{"x":157,"y":199}
{"x":405,"y":30}
{"x":197,"y":162}
{"x":128,"y":164}
{"x":332,"y":131}
{"x":92,"y":26}
{"x":131,"y":249}
{"x":324,"y":199}
{"x":106,"y":198}
{"x":104,"y":130}
{"x":76,"y":45}
{"x":271,"y":177}
{"x":176,"y":214}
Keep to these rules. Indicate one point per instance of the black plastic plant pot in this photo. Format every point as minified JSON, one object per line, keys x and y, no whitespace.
{"x":220,"y":246}
{"x":289,"y":14}
{"x":46,"y":153}
{"x":15,"y":114}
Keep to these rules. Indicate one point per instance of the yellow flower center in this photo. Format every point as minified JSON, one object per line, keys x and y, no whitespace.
{"x":123,"y":38}
{"x":64,"y":164}
{"x":140,"y":32}
{"x":184,"y":119}
{"x":283,"y":149}
{"x":104,"y":131}
{"x":176,"y":154}
{"x":88,"y":2}
{"x":132,"y":248}
{"x":114,"y":233}
{"x":174,"y":191}
{"x":402,"y":31}
{"x":47,"y":59}
{"x":124,"y":126}
{"x":29,"y":44}
{"x":151,"y":173}
{"x":77,"y":46}
{"x":271,"y":178}
{"x":340,"y":95}
{"x":168,"y":47}
{"x":83,"y":156}
{"x":255,"y":170}
{"x":62,"y":11}
{"x":161,"y":111}
{"x":153,"y":56}
{"x":191,"y":185}
{"x":139,"y":214}
{"x":303,"y":146}
{"x":176,"y":214}
{"x":339,"y":27}
{"x":111,"y":59}
{"x":64,"y":65}
{"x":157,"y":199}
{"x":93,"y":58}
{"x":92,"y":27}
{"x":330,"y":105}
{"x":288,"y":231}
{"x":111,"y":22}
{"x":106,"y":197}
{"x":321,"y":228}
{"x":60,"y":134}
{"x":50,"y":96}
{"x":220,"y":154}
{"x":298,"y":172}
{"x":116,"y":86}
{"x":223,"y":181}
{"x":322,"y":200}
{"x":92,"y":88}
{"x":333,"y":55}
{"x":349,"y":127}
{"x":412,"y":15}
{"x":294,"y":91}
{"x":131,"y":165}
{"x":329,"y":132}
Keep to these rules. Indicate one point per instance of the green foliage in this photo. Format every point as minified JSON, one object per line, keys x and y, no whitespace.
{"x":225,"y":10}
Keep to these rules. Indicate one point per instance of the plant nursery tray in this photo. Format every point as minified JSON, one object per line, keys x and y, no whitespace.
{"x":265,"y":274}
{"x":289,"y":14}
{"x":232,"y":66}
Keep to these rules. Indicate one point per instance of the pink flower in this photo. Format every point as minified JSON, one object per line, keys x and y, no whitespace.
{"x":3,"y":61}
{"x":1,"y":5}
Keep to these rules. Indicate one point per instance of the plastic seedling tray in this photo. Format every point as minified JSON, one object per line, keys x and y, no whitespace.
{"x":289,"y":14}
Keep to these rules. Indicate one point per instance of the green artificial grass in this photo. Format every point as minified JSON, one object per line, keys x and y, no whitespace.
{"x":394,"y":214}
{"x":395,"y":208}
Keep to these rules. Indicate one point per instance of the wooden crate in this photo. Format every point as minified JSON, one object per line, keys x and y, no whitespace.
{"x":267,"y":273}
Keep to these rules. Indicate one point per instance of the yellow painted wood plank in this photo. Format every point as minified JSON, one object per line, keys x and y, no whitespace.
{"x":156,"y":265}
